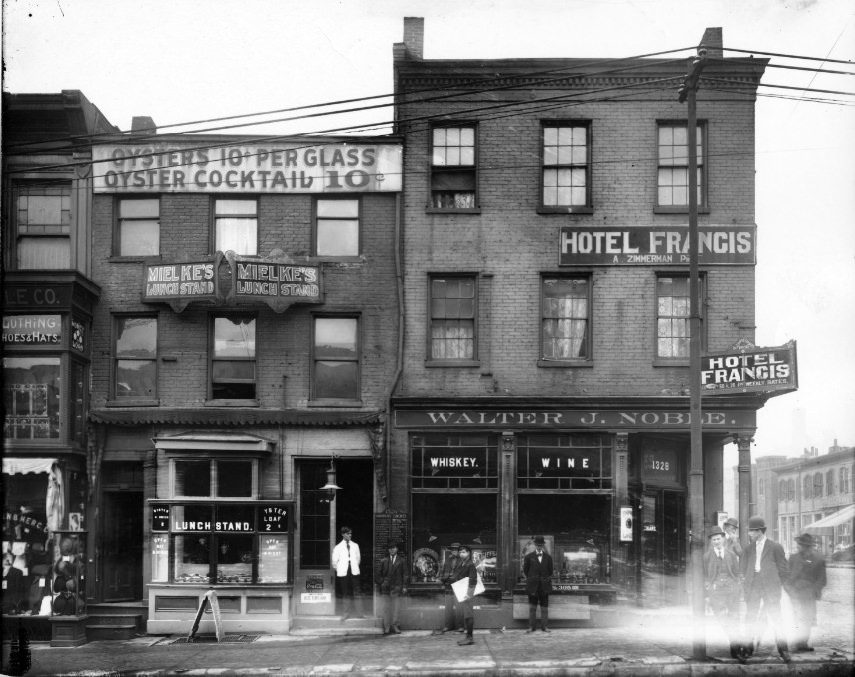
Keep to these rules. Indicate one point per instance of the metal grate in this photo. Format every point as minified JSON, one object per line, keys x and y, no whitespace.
{"x":205,"y":639}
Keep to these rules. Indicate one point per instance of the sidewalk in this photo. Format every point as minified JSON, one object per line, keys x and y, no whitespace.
{"x":658,"y":648}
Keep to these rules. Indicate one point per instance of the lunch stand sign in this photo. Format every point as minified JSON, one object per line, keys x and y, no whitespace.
{"x":750,"y":369}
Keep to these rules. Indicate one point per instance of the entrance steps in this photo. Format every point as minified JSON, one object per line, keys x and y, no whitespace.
{"x":121,"y":620}
{"x":333,"y":626}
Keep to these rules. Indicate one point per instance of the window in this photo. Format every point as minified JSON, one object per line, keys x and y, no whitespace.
{"x":233,"y":358}
{"x":566,"y":165}
{"x":762,"y":489}
{"x":829,"y":483}
{"x":138,"y":228}
{"x":673,"y":172}
{"x":336,"y":227}
{"x":844,"y":480}
{"x":135,"y":358}
{"x":672,"y":316}
{"x":217,"y":478}
{"x":236,"y":226}
{"x":808,"y":484}
{"x":817,"y":485}
{"x":791,"y":490}
{"x":782,"y":491}
{"x":565,"y":331}
{"x":453,"y":181}
{"x":31,"y":398}
{"x":43,"y":226}
{"x":452,"y":318}
{"x":336,"y":358}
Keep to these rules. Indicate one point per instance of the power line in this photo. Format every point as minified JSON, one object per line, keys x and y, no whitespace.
{"x":787,"y":56}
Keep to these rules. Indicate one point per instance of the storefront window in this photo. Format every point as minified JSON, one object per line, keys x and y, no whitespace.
{"x":223,"y":543}
{"x":231,"y":479}
{"x":31,"y":389}
{"x":563,"y":462}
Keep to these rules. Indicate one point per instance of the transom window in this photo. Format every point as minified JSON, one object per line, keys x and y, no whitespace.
{"x":565,"y":325}
{"x":138,"y":231}
{"x":672,"y":316}
{"x":452,"y":318}
{"x":673,"y":172}
{"x":135,"y":358}
{"x":214,"y":478}
{"x":336,"y":358}
{"x":43,"y":224}
{"x":453,"y":168}
{"x":566,"y":165}
{"x":236,"y":226}
{"x":233,"y":375}
{"x":337,"y":227}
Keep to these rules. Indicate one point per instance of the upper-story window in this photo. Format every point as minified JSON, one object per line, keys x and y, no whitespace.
{"x":673,"y":317}
{"x":817,"y":485}
{"x":452,"y":318}
{"x":137,"y":227}
{"x":336,"y":227}
{"x":807,"y":487}
{"x":336,"y":358}
{"x":673,"y":172}
{"x":454,"y":177}
{"x":844,"y":480}
{"x":566,"y":166}
{"x":829,"y":483}
{"x":236,"y":226}
{"x":782,"y":490}
{"x":791,"y":490}
{"x":233,"y":373}
{"x":135,"y":358}
{"x":565,"y":326}
{"x":43,"y":225}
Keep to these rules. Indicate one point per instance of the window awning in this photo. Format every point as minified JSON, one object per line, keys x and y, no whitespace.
{"x":826,"y":525}
{"x":23,"y":466}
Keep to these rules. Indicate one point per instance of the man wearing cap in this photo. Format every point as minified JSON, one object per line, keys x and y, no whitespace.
{"x":731,"y":528}
{"x":392,"y":584}
{"x":468,"y":571}
{"x":453,"y":618}
{"x":764,"y":572}
{"x":807,"y":579}
{"x":537,"y":569}
{"x":721,"y":581}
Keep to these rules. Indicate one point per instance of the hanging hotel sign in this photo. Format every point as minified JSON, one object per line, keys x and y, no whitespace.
{"x":644,"y":245}
{"x":565,"y":418}
{"x":750,"y":370}
{"x":223,"y":168}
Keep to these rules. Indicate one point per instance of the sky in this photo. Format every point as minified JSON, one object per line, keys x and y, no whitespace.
{"x":197,"y":60}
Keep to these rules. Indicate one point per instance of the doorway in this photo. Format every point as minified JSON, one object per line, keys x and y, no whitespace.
{"x":663,"y":548}
{"x":122,"y":555}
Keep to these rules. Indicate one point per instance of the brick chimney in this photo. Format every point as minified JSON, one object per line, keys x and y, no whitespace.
{"x":142,"y":123}
{"x":414,"y":36}
{"x":713,"y":40}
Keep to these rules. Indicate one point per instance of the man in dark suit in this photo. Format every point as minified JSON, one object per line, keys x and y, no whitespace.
{"x":807,"y":579}
{"x":392,"y":583}
{"x":453,"y":617}
{"x":764,"y":571}
{"x":537,"y":569}
{"x":721,"y":581}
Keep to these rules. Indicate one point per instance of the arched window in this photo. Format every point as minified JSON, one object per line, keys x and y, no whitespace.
{"x":808,"y":484}
{"x":817,"y":485}
{"x":829,"y":483}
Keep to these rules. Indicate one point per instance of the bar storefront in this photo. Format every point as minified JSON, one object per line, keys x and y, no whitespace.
{"x":607,"y":489}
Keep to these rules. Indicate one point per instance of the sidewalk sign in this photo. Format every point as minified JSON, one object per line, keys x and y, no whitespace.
{"x":209,"y":598}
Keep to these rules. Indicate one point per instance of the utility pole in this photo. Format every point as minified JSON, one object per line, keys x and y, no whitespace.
{"x":696,"y":470}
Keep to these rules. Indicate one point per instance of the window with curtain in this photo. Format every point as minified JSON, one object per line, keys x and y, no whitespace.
{"x":233,"y":373}
{"x":43,"y":225}
{"x":566,"y":165}
{"x":135,"y":358}
{"x":452,"y":317}
{"x":672,"y":316}
{"x":565,"y":322}
{"x":673,"y":171}
{"x":453,"y":181}
{"x":236,"y":226}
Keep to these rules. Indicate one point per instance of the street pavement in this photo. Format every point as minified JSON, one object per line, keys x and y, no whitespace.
{"x":654,"y":642}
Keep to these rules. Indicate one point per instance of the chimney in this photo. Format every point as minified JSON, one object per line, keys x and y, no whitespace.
{"x":714,"y":42}
{"x":414,"y":36}
{"x":143,"y":123}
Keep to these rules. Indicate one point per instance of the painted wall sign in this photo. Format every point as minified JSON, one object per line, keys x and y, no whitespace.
{"x":274,"y":518}
{"x":755,"y":370}
{"x":630,"y":419}
{"x":40,"y":330}
{"x":190,"y":167}
{"x":645,"y":245}
{"x":160,"y":518}
{"x":441,"y":463}
{"x":559,"y":463}
{"x":27,"y":295}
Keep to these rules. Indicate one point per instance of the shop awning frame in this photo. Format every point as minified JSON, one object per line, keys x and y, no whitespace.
{"x":26,"y":466}
{"x":825,"y":526}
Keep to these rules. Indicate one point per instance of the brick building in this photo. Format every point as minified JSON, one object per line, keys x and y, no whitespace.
{"x":545,"y":374}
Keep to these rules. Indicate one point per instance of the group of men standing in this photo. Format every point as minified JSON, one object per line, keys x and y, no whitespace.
{"x":758,"y":574}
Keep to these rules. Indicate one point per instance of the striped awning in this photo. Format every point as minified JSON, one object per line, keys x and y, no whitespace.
{"x":826,"y":525}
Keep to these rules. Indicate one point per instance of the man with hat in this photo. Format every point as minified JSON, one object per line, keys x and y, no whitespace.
{"x":731,"y":528}
{"x":721,"y":581}
{"x":447,"y":575}
{"x":764,"y":572}
{"x":466,"y":570}
{"x":392,"y":584}
{"x":807,"y":579}
{"x":537,"y":569}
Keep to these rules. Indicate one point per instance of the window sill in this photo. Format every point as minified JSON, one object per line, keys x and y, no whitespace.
{"x":322,"y":258}
{"x":566,"y":364}
{"x":231,"y":403}
{"x":351,"y":404}
{"x":434,"y":210}
{"x":682,"y":209}
{"x":565,"y":210}
{"x":135,"y":259}
{"x":452,"y":363}
{"x":133,"y":402}
{"x":660,"y":362}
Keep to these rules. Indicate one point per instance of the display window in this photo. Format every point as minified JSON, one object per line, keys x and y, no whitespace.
{"x":31,"y":397}
{"x":564,"y":462}
{"x":222,"y":543}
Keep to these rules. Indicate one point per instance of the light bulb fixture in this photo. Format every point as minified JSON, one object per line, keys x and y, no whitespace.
{"x":331,"y":487}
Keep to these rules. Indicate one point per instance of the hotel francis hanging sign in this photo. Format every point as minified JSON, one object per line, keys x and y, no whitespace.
{"x":229,"y":168}
{"x":277,"y":281}
{"x":751,"y":369}
{"x":665,"y":245}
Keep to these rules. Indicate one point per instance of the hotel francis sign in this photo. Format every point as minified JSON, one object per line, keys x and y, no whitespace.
{"x":228,"y":168}
{"x":752,"y":369}
{"x":645,"y":245}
